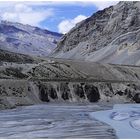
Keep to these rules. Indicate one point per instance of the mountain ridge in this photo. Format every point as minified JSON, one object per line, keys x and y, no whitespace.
{"x":108,"y":36}
{"x":26,"y":39}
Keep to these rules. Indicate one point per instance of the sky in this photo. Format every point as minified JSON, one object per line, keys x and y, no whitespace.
{"x":55,"y":16}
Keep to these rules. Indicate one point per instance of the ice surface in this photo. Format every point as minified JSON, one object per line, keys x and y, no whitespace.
{"x":119,"y":116}
{"x":135,"y":124}
{"x":53,"y":121}
{"x":125,"y":119}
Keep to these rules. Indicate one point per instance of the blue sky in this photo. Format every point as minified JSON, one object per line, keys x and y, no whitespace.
{"x":55,"y":16}
{"x":68,"y":12}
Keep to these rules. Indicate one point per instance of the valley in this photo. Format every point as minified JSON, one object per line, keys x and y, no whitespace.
{"x":69,"y":86}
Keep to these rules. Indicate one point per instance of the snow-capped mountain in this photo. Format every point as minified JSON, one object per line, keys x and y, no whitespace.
{"x":111,"y":35}
{"x":25,"y":39}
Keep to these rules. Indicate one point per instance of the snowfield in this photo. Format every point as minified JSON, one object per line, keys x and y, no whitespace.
{"x":124,"y":118}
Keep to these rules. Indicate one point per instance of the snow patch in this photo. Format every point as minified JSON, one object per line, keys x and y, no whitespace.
{"x":124,"y":118}
{"x":135,"y":124}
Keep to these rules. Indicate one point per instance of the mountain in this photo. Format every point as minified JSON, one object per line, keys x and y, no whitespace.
{"x":25,"y":39}
{"x":111,"y":35}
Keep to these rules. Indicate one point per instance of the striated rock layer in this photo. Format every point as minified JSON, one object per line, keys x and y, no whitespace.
{"x":58,"y":80}
{"x":108,"y":36}
{"x":31,"y":80}
{"x":89,"y":92}
{"x":21,"y":92}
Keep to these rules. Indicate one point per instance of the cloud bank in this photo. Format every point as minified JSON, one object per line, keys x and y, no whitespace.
{"x":22,"y":13}
{"x":65,"y":25}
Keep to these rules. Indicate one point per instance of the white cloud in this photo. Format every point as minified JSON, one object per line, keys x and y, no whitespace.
{"x":103,"y":4}
{"x":28,"y":13}
{"x":65,"y":25}
{"x":22,"y":7}
{"x":22,"y":13}
{"x":100,"y":4}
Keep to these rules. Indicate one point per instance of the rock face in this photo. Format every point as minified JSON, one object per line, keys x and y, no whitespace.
{"x":108,"y":36}
{"x":25,"y":39}
{"x":89,"y":92}
{"x":22,"y":92}
{"x":58,"y":80}
{"x":17,"y":93}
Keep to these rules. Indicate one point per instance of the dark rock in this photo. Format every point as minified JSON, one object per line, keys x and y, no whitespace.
{"x":64,"y":89}
{"x":136,"y":98}
{"x":134,"y":86}
{"x":120,"y":93}
{"x":65,"y":95}
{"x":79,"y":91}
{"x":92,"y":93}
{"x":43,"y":95}
{"x":128,"y":93}
{"x":52,"y":93}
{"x":29,"y":88}
{"x":82,"y":84}
{"x":110,"y":87}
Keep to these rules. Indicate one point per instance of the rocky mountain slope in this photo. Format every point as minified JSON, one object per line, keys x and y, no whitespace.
{"x":25,"y":39}
{"x":33,"y":80}
{"x":108,"y":36}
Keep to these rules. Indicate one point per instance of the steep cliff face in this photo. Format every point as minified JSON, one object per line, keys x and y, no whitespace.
{"x":89,"y":92}
{"x":109,"y":36}
{"x":17,"y":93}
{"x":58,"y":80}
{"x":22,"y":92}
